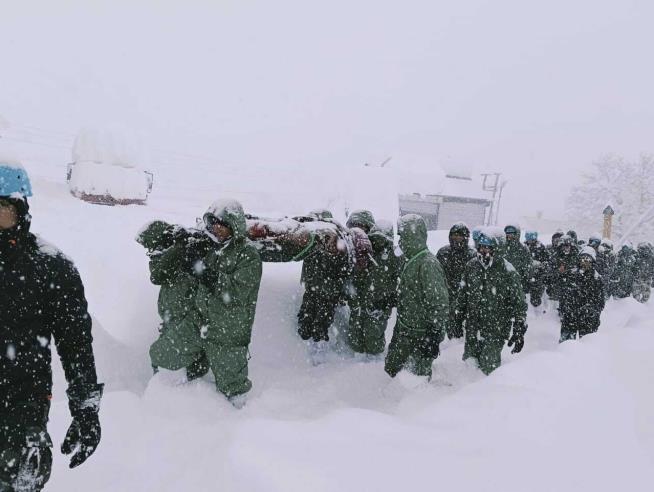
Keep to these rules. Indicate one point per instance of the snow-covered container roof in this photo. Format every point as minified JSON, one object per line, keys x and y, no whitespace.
{"x":107,"y":147}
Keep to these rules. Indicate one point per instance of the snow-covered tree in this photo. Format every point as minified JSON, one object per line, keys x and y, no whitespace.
{"x":627,"y":186}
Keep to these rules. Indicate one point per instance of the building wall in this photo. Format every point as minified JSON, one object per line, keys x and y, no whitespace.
{"x":451,"y":212}
{"x":442,"y":212}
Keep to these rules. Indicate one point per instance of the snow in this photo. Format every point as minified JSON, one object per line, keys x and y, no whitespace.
{"x":7,"y":159}
{"x":568,"y":417}
{"x":108,"y":148}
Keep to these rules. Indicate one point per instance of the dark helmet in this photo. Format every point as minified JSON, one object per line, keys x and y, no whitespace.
{"x":556,"y":237}
{"x":573,"y":235}
{"x":460,"y":228}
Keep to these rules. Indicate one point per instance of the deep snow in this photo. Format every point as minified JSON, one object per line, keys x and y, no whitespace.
{"x":569,"y":417}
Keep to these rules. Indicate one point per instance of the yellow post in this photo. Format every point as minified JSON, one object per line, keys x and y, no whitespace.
{"x":608,"y":221}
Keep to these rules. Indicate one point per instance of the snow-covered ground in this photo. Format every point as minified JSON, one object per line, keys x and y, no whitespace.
{"x":569,"y":417}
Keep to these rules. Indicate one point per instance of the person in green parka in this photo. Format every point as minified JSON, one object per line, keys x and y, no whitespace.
{"x":453,"y":258}
{"x":491,"y":299}
{"x":422,"y":304}
{"x":209,"y":286}
{"x":325,"y":269}
{"x":518,"y":255}
{"x":375,"y":293}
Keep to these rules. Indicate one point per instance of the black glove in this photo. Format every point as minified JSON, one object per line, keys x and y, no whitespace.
{"x":84,"y":433}
{"x":429,"y":346}
{"x":518,"y":341}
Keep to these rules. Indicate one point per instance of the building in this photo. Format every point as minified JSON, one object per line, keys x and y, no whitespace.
{"x":453,"y":197}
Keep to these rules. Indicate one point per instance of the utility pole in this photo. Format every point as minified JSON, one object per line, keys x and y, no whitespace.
{"x":608,"y":221}
{"x":499,"y":200}
{"x":491,"y":182}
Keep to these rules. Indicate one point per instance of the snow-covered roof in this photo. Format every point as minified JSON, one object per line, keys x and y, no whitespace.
{"x":107,"y":147}
{"x":437,"y":181}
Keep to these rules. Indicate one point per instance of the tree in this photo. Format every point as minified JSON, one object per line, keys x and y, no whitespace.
{"x":627,"y":186}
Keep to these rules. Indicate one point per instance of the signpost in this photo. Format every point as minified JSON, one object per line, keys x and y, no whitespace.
{"x":608,"y":221}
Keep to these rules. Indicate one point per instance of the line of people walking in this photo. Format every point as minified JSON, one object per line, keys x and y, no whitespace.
{"x":210,"y":276}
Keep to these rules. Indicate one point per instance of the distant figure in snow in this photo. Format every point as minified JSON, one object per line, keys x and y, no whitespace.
{"x":41,"y":298}
{"x":491,"y":304}
{"x":539,"y":260}
{"x":582,"y":298}
{"x":518,"y":255}
{"x":209,"y":282}
{"x":564,"y":258}
{"x":625,"y":272}
{"x":422,"y":304}
{"x":454,"y":258}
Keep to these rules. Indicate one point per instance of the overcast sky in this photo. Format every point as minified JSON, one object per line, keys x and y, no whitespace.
{"x":533,"y":89}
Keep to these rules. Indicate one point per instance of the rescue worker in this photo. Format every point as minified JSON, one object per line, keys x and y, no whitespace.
{"x":42,"y":299}
{"x":453,"y":258}
{"x":422,"y":305}
{"x":582,"y":298}
{"x":212,"y":282}
{"x":490,"y":295}
{"x":539,"y":260}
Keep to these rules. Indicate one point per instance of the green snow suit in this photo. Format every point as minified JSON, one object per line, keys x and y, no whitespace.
{"x":422,"y":305}
{"x":375,"y":295}
{"x":491,"y":299}
{"x":208,"y":303}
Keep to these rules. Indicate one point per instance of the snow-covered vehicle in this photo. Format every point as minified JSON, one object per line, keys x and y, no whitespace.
{"x":103,"y":174}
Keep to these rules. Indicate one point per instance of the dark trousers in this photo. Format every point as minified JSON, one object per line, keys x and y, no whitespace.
{"x":316,"y":315}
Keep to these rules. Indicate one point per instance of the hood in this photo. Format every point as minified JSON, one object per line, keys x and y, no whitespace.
{"x":510,"y":227}
{"x":321,"y":214}
{"x":588,"y":251}
{"x":362,"y":219}
{"x":412,"y":230}
{"x":461,"y":229}
{"x":381,"y":236}
{"x":230,"y":212}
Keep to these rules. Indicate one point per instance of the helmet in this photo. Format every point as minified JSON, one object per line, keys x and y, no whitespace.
{"x":460,"y":228}
{"x":14,"y":181}
{"x":531,"y":236}
{"x":512,"y":229}
{"x":488,"y":241}
{"x":588,"y":251}
{"x":594,"y":240}
{"x":572,"y":234}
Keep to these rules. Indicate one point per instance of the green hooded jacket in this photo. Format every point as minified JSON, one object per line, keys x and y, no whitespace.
{"x":171,"y":269}
{"x":422,"y":305}
{"x":226,"y":296}
{"x":490,"y":298}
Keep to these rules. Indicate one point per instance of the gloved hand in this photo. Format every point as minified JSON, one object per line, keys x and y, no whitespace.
{"x":429,"y":346}
{"x":518,"y":342}
{"x":84,"y":433}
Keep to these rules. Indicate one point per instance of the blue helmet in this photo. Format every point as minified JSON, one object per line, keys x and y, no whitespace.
{"x":489,"y":241}
{"x":531,"y":236}
{"x":14,"y":181}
